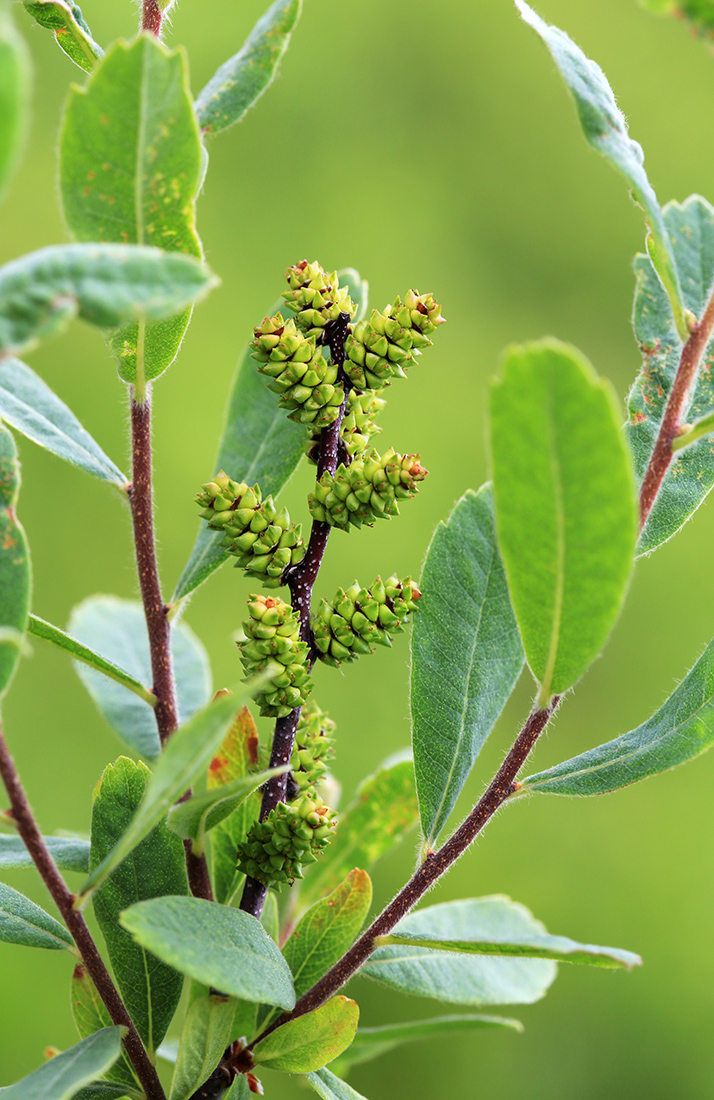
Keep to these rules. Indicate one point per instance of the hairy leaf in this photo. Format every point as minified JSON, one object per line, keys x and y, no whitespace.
{"x":90,"y":1015}
{"x":498,"y":926}
{"x":465,"y":979}
{"x":14,"y":96}
{"x":236,"y":758}
{"x":307,"y":1043}
{"x":29,"y":405}
{"x":605,"y":129}
{"x":70,"y":30}
{"x":185,"y":756}
{"x":66,"y":1073}
{"x":259,"y":444}
{"x":466,"y":656}
{"x":116,"y":630}
{"x":69,"y":853}
{"x":206,"y":1034}
{"x":192,"y":819}
{"x":155,"y":867}
{"x":241,"y":81}
{"x":680,"y":730}
{"x":223,"y":948}
{"x":383,"y":812}
{"x":330,"y":1087}
{"x":561,"y":469}
{"x":15,"y":572}
{"x":130,"y":162}
{"x":23,"y":922}
{"x":104,"y":284}
{"x":691,"y":473}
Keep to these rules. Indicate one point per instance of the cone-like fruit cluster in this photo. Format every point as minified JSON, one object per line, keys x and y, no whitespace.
{"x":315,"y":297}
{"x":379,"y":349}
{"x":304,"y":379}
{"x":360,"y":618}
{"x":312,"y":748}
{"x":357,"y":426}
{"x":367,"y":490}
{"x":273,"y":645}
{"x":255,"y":532}
{"x":291,"y":836}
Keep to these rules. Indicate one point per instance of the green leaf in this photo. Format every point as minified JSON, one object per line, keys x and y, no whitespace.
{"x":90,"y":1014}
{"x":236,"y":758}
{"x":691,"y":474}
{"x":23,"y":922}
{"x":498,"y":926}
{"x":223,"y":948}
{"x":66,"y":1073}
{"x":242,"y":79}
{"x":259,"y":444}
{"x":327,"y":930}
{"x":466,"y":656}
{"x":38,"y":628}
{"x":154,"y":868}
{"x":15,"y":572}
{"x":104,"y":284}
{"x":699,"y":14}
{"x":206,"y":1034}
{"x":106,"y":1090}
{"x":70,"y":30}
{"x":383,"y":812}
{"x":682,"y":729}
{"x":130,"y":161}
{"x":115,"y":630}
{"x":29,"y":405}
{"x":330,"y":1087}
{"x":192,"y":819}
{"x":561,"y":468}
{"x":309,"y":1042}
{"x":69,"y":853}
{"x":14,"y":96}
{"x":185,"y":756}
{"x":465,"y":979}
{"x":239,"y":1090}
{"x":371,"y":1042}
{"x":605,"y":129}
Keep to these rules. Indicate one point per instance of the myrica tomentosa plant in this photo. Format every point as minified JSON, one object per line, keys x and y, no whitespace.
{"x":255,"y":888}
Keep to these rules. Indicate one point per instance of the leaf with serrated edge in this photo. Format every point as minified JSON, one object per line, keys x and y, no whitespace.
{"x":259,"y":444}
{"x":72,"y":34}
{"x":242,"y":79}
{"x":193,"y":818}
{"x":465,"y":979}
{"x":90,"y":1014}
{"x":466,"y":656}
{"x":68,"y":853}
{"x":330,"y":1087}
{"x":682,"y":729}
{"x":223,"y":948}
{"x":154,"y":868}
{"x":237,"y":757}
{"x":311,"y":1041}
{"x":66,"y":1073}
{"x":14,"y":96}
{"x":561,"y":468}
{"x":690,"y":475}
{"x":372,"y":1042}
{"x":383,"y":812}
{"x":23,"y":922}
{"x":104,"y":284}
{"x":130,"y":163}
{"x":497,"y":926}
{"x":605,"y":129}
{"x":206,"y":1034}
{"x":29,"y":405}
{"x":116,"y":630}
{"x":185,"y":756}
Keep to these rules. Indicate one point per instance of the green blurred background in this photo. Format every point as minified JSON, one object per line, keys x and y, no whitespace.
{"x":430,"y":146}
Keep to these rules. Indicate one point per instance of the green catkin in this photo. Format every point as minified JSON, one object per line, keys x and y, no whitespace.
{"x":273,"y":645}
{"x":316,"y":297}
{"x":312,"y":748}
{"x":291,"y":836}
{"x":368,"y":489}
{"x":260,"y":537}
{"x":299,"y":373}
{"x":380,"y":348}
{"x":356,"y":620}
{"x":357,"y":426}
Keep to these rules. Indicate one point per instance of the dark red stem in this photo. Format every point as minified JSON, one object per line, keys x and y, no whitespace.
{"x":27,"y":827}
{"x":151,"y":17}
{"x":431,"y":869}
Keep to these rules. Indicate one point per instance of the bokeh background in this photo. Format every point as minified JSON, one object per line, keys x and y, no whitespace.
{"x":429,"y":145}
